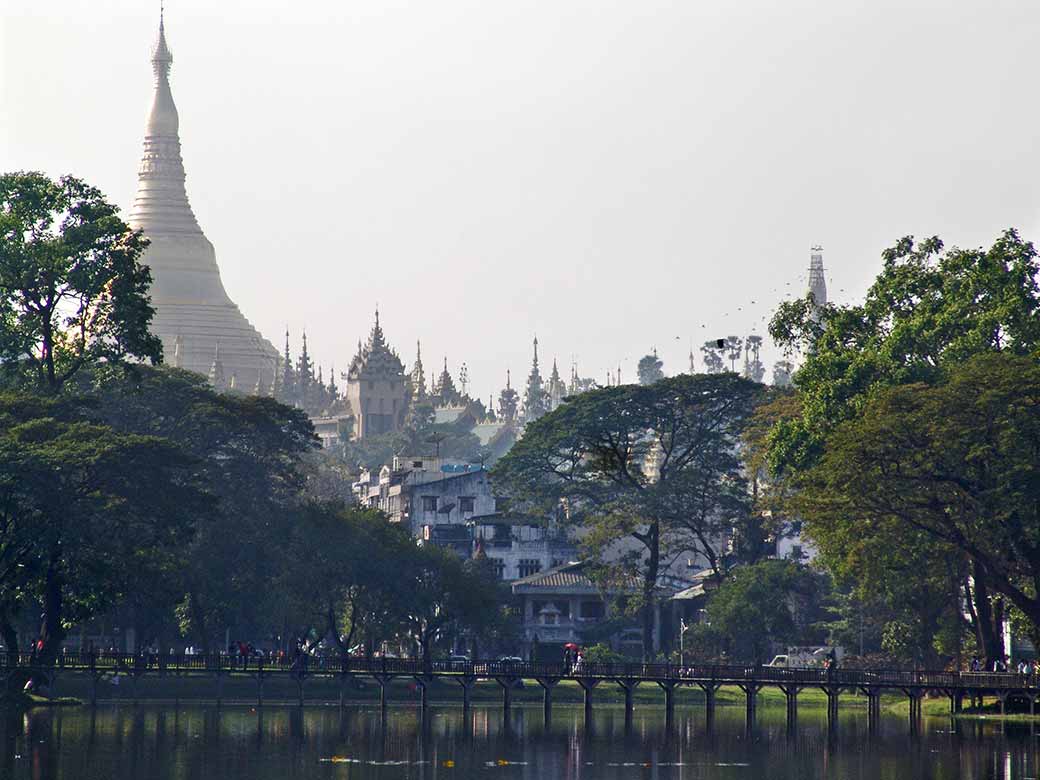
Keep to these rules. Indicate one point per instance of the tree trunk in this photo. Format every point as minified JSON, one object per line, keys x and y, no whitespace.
{"x":198,"y":620}
{"x":653,"y":564}
{"x":983,"y":611}
{"x":424,"y":647}
{"x":52,"y":632}
{"x":10,"y":636}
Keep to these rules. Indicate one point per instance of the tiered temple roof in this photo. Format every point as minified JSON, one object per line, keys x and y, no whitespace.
{"x":375,"y":360}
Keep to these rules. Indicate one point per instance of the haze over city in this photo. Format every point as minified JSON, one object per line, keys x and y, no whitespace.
{"x":611,"y":176}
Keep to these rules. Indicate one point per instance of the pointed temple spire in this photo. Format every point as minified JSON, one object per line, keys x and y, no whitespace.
{"x":333,"y":390}
{"x":817,"y":282}
{"x":536,"y":400}
{"x":508,"y":402}
{"x":287,"y":384}
{"x":186,"y":292}
{"x":444,"y":391}
{"x":216,"y":370}
{"x":418,"y":375}
{"x":557,"y":389}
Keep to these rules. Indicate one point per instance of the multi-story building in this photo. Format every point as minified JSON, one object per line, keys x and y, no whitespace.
{"x":518,"y":545}
{"x":409,"y":491}
{"x":453,"y":505}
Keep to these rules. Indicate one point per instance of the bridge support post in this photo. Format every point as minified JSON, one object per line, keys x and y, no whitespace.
{"x":507,"y":684}
{"x":588,"y":685}
{"x":629,"y":685}
{"x":220,"y":688}
{"x":1002,"y":697}
{"x":750,"y":700}
{"x":422,"y":683}
{"x":832,"y":706}
{"x":791,"y":695}
{"x":915,"y":708}
{"x":669,"y":697}
{"x":548,"y":684}
{"x":467,"y":682}
{"x":873,"y":708}
{"x":956,"y":700}
{"x":384,"y":681}
{"x":259,"y":682}
{"x":710,"y":689}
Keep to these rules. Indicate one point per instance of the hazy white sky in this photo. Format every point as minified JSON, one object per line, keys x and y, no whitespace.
{"x":611,"y":175}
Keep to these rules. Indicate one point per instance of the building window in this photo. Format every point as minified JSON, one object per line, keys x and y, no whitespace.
{"x":499,"y":567}
{"x":529,"y":566}
{"x":592,"y":610}
{"x":429,"y":503}
{"x":466,"y":504}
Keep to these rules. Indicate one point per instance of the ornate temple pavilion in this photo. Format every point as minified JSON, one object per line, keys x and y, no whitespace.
{"x":198,"y":323}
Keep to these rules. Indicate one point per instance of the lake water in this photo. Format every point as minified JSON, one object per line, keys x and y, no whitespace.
{"x":160,"y":742}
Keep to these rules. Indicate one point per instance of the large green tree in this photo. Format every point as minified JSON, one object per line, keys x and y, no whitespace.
{"x":342,"y":577}
{"x":249,"y":454}
{"x":84,"y":510}
{"x":956,"y":464}
{"x":650,"y":369}
{"x":650,"y":473}
{"x":928,"y":309}
{"x":768,"y":603}
{"x":72,"y":292}
{"x":440,"y":592}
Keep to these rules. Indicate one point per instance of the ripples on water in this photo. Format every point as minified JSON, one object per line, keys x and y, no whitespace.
{"x":124,"y":742}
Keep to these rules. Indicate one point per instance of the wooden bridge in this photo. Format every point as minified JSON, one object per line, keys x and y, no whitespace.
{"x":870,"y":683}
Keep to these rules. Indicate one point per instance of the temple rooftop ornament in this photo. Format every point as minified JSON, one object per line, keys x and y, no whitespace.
{"x":191,"y":305}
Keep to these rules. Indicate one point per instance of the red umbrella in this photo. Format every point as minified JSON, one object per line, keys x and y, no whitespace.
{"x":571,"y":646}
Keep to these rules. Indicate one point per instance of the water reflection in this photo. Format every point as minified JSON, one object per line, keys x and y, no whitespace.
{"x":124,"y":742}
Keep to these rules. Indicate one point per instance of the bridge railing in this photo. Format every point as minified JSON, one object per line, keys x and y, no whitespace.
{"x":139,"y":663}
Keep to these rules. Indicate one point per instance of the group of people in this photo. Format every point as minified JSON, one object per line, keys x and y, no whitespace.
{"x":573,"y":658}
{"x":1004,"y":665}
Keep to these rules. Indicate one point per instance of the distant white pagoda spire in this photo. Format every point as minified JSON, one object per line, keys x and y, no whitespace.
{"x":817,"y":283}
{"x":187,"y":293}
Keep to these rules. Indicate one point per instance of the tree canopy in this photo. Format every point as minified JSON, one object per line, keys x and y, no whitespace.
{"x":83,"y":509}
{"x":928,"y":309}
{"x":72,"y":291}
{"x":649,"y":473}
{"x":958,"y":463}
{"x":650,"y":369}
